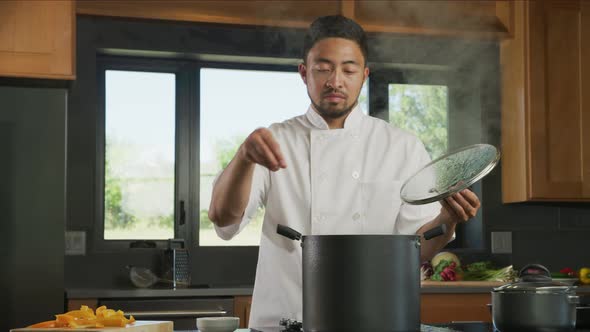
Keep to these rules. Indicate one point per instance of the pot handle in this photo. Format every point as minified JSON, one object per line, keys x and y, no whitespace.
{"x":573,"y":299}
{"x":288,"y":232}
{"x":436,"y":231}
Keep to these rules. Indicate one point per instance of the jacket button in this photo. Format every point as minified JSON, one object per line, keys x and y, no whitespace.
{"x":356,"y":216}
{"x":355,"y":175}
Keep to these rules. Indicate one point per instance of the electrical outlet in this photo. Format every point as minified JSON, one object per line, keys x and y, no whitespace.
{"x":501,"y":242}
{"x":75,"y":243}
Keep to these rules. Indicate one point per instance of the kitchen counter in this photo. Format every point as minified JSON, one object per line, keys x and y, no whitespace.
{"x":428,"y":287}
{"x":86,"y":293}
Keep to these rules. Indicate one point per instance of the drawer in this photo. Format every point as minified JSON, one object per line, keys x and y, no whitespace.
{"x":182,"y":311}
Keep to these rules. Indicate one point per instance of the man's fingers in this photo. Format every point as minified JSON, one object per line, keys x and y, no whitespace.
{"x":274,"y":148}
{"x":467,"y":207}
{"x":261,"y":148}
{"x":457,"y":208}
{"x":449,"y":209}
{"x":263,"y":155}
{"x":471,"y":197}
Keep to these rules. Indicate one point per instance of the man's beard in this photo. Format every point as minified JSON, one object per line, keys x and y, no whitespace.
{"x":332,"y":114}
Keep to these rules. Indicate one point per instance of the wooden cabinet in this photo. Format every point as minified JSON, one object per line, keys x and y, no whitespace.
{"x":242,"y":305}
{"x":434,"y":308}
{"x":546,"y":103}
{"x":453,"y":18}
{"x":37,"y":39}
{"x":453,"y":307}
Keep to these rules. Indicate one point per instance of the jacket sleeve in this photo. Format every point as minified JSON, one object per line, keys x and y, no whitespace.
{"x":258,"y":191}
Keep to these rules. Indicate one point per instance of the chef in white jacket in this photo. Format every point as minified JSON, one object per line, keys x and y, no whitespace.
{"x":332,"y":170}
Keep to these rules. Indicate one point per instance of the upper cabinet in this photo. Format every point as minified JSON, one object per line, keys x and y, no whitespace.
{"x":285,"y":13}
{"x":37,"y":39}
{"x":452,"y":18}
{"x":546,"y":103}
{"x":477,"y":19}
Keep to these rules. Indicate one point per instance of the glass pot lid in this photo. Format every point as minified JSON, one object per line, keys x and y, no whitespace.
{"x":535,"y":287}
{"x":450,"y":174}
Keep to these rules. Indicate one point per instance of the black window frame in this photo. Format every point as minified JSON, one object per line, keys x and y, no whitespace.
{"x":187,"y":142}
{"x":182,"y":108}
{"x":187,"y":136}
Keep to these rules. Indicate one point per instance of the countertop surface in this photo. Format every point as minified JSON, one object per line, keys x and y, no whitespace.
{"x":428,"y":287}
{"x":88,"y":293}
{"x":459,"y":327}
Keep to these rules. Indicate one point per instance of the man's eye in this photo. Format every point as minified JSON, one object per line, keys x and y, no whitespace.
{"x":323,"y":70}
{"x":350,"y":72}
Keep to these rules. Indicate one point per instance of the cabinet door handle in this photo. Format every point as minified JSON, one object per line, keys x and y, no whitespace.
{"x":182,"y":217}
{"x":176,"y":313}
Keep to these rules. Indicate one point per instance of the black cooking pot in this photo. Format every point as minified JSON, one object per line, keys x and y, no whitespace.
{"x":534,"y":303}
{"x":368,"y":283}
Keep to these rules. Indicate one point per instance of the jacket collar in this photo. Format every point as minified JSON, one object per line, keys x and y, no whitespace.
{"x":352,"y":120}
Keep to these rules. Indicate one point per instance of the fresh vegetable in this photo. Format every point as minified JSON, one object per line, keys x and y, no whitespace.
{"x":445,"y":255}
{"x":85,"y":317}
{"x":426,"y":271}
{"x":44,"y":325}
{"x":446,"y":270}
{"x":585,"y":275}
{"x":566,"y":272}
{"x":556,"y":275}
{"x":479,"y":266}
{"x":569,"y":272}
{"x":484,"y":271}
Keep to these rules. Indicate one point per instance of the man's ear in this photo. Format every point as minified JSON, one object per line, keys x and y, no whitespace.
{"x":366,"y":73}
{"x":303,"y":72}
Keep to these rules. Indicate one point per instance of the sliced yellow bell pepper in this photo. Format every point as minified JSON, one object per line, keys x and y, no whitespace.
{"x":43,"y":325}
{"x":585,"y":275}
{"x":85,"y":317}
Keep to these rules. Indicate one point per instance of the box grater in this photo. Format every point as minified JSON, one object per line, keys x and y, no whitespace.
{"x":176,"y":264}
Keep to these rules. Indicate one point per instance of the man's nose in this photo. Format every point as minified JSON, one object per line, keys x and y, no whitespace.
{"x":335,"y":79}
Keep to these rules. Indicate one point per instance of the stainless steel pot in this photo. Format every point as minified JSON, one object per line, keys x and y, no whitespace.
{"x":534,"y":303}
{"x":368,"y":283}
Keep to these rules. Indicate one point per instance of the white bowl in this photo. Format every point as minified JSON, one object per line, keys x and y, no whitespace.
{"x":218,"y":324}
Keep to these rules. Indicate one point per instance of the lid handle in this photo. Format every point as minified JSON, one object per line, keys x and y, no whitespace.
{"x":534,"y":272}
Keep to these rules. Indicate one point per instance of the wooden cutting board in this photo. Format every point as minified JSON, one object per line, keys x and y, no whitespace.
{"x":138,"y":326}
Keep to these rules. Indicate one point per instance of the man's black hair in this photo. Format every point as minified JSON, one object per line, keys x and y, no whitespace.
{"x":335,"y":26}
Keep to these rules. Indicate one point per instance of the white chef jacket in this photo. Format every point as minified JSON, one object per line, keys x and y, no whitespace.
{"x":338,"y":181}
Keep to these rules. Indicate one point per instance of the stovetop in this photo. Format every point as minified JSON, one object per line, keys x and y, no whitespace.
{"x":453,"y":327}
{"x":470,"y":327}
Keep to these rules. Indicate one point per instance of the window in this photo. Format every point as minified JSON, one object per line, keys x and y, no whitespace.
{"x":139,"y":157}
{"x":163,"y":119}
{"x":422,"y":110}
{"x":233,"y":104}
